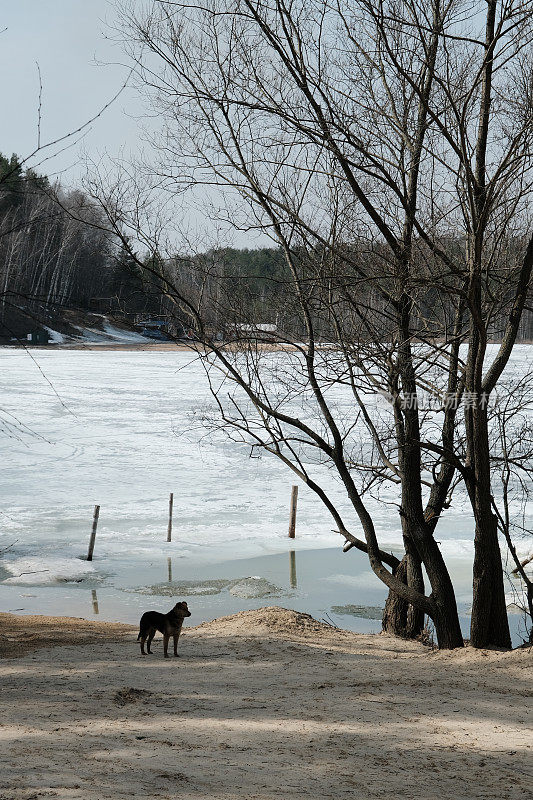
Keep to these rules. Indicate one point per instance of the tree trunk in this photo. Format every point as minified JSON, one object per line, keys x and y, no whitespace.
{"x":445,"y":616}
{"x":490,"y":625}
{"x":447,"y":628}
{"x":400,"y":618}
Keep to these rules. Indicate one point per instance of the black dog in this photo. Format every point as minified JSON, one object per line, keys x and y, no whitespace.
{"x":168,"y":624}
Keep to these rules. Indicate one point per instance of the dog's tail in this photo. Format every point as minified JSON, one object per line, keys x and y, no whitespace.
{"x":139,"y":636}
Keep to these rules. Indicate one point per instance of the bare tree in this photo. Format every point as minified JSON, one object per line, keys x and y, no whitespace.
{"x":386,"y":148}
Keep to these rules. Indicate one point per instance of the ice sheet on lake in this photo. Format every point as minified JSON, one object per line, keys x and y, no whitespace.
{"x":46,"y":571}
{"x":118,"y":428}
{"x":363,"y":612}
{"x":254,"y":587}
{"x":183,"y":588}
{"x":250,"y":587}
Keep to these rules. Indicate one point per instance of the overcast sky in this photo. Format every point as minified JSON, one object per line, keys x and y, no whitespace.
{"x":80,"y":74}
{"x":81,"y":71}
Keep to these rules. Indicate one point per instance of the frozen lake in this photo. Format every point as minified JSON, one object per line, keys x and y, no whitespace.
{"x":117,"y":428}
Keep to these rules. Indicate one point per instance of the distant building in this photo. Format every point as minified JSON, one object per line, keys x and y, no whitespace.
{"x":39,"y":336}
{"x":258,"y":328}
{"x":154,"y":329}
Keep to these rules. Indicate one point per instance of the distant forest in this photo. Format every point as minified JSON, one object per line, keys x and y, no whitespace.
{"x":53,"y":255}
{"x":57,"y":256}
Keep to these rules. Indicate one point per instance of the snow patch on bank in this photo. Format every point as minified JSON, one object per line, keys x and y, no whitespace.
{"x":55,"y":336}
{"x":122,"y":335}
{"x":110,"y":334}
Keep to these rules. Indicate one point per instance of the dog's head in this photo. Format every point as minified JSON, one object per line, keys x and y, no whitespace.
{"x":181,"y":609}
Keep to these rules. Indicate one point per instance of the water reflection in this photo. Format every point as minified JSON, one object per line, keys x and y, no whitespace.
{"x":95,"y":602}
{"x":292,"y":568}
{"x":169,"y":565}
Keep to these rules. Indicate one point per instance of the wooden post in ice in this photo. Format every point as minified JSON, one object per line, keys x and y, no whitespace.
{"x":170,"y":504}
{"x":93,"y":533}
{"x":292,"y":518}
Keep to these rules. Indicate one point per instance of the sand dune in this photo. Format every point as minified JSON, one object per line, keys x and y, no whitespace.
{"x":264,"y":704}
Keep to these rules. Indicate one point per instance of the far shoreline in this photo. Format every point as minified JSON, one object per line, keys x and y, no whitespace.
{"x":170,"y":346}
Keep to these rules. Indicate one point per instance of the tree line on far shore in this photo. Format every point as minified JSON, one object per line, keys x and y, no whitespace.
{"x":57,"y":253}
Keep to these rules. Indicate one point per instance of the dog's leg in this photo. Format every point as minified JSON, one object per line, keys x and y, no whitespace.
{"x":143,"y":639}
{"x":150,"y":637}
{"x":176,"y":637}
{"x":166,"y":637}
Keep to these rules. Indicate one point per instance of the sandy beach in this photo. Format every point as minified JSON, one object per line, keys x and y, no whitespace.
{"x":263,"y":704}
